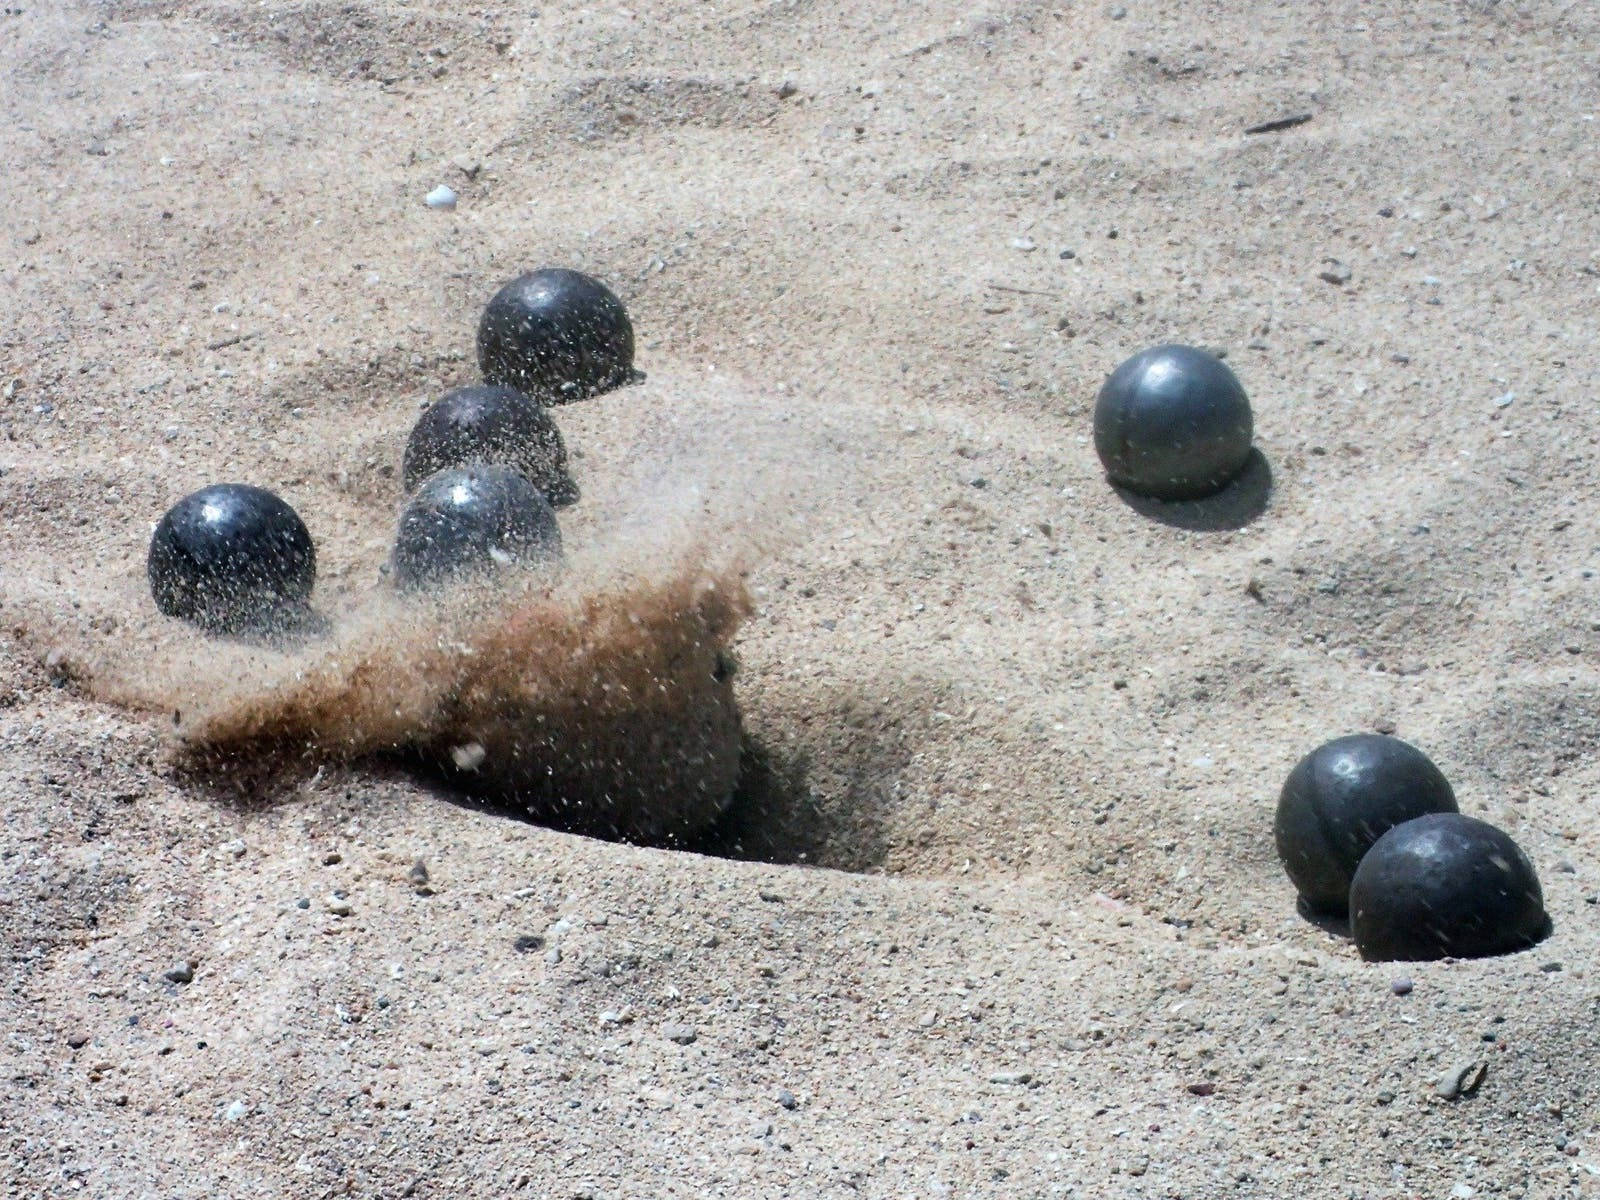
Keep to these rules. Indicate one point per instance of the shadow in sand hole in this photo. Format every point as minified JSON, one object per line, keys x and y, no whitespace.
{"x":774,"y":816}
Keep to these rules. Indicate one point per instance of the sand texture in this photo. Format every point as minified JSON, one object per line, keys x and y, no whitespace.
{"x":996,"y":911}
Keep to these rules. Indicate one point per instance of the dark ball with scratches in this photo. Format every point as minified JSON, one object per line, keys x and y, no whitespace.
{"x":1173,"y":423}
{"x":470,"y":522}
{"x":1445,"y":886}
{"x":486,"y":425}
{"x":557,"y":335}
{"x":232,"y":558}
{"x":1340,"y":799}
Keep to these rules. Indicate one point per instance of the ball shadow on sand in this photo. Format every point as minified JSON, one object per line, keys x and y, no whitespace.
{"x":1338,"y":924}
{"x":1234,"y":507}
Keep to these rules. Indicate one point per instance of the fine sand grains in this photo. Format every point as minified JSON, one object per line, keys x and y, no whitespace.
{"x":997,"y":912}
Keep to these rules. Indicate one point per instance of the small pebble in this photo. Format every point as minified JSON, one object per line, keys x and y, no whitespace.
{"x":235,"y":1111}
{"x":418,"y":875}
{"x":339,"y":906}
{"x":236,"y":848}
{"x":302,"y":903}
{"x":182,"y":973}
{"x":1012,"y":1078}
{"x":682,"y":1034}
{"x":528,"y":942}
{"x":1335,"y":272}
{"x":785,"y":1099}
{"x":1025,"y":244}
{"x":441,"y":198}
{"x":1401,"y":986}
{"x":1462,"y":1079}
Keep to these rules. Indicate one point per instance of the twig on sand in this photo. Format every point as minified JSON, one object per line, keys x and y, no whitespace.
{"x":1279,"y":124}
{"x":1005,"y":287}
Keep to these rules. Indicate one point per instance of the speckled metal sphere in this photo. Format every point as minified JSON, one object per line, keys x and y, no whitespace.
{"x":1340,"y":799}
{"x":472,"y":521}
{"x":490,"y":426}
{"x":1445,"y":886}
{"x":1172,"y":423}
{"x":232,"y":558}
{"x":556,"y":335}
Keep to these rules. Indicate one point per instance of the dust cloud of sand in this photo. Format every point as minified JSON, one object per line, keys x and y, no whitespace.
{"x":697,"y":482}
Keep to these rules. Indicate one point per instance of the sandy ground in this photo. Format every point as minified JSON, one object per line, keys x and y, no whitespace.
{"x":1003,"y":918}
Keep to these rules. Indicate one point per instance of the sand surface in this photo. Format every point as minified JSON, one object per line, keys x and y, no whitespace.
{"x":1002,"y":916}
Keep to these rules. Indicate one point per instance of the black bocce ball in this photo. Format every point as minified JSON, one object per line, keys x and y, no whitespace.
{"x":1445,"y":886}
{"x":471,"y":521}
{"x":557,"y":335}
{"x":1340,"y":799}
{"x":1172,"y":423}
{"x":487,"y":425}
{"x":232,"y":558}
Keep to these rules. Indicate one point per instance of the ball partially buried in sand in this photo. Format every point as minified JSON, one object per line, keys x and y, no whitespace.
{"x":1445,"y":886}
{"x":557,"y":335}
{"x":471,"y":521}
{"x":1172,"y":423}
{"x":1340,"y":799}
{"x":232,"y":558}
{"x":490,"y":426}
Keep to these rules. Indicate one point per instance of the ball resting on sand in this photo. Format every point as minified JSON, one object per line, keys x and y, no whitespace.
{"x":490,"y":426}
{"x":1445,"y":885}
{"x":557,"y":335}
{"x":1172,"y":423}
{"x":1340,"y":799}
{"x":471,"y":521}
{"x":232,"y":558}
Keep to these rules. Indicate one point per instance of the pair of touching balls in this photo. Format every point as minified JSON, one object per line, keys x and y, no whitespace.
{"x":1367,"y":826}
{"x":484,"y":467}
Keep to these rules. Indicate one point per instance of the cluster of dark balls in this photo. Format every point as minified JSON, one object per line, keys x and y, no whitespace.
{"x":1367,"y":827}
{"x":484,"y":469}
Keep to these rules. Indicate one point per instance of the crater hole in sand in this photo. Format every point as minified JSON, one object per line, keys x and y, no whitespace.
{"x":600,"y":702}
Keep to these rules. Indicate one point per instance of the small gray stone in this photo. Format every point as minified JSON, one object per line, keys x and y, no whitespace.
{"x":339,"y":906}
{"x":1012,"y":1078}
{"x":1462,"y":1079}
{"x":418,"y":875}
{"x":182,"y":973}
{"x":236,"y":848}
{"x":441,"y":197}
{"x":1335,"y":272}
{"x":235,"y":1111}
{"x":785,"y":1099}
{"x":682,"y":1034}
